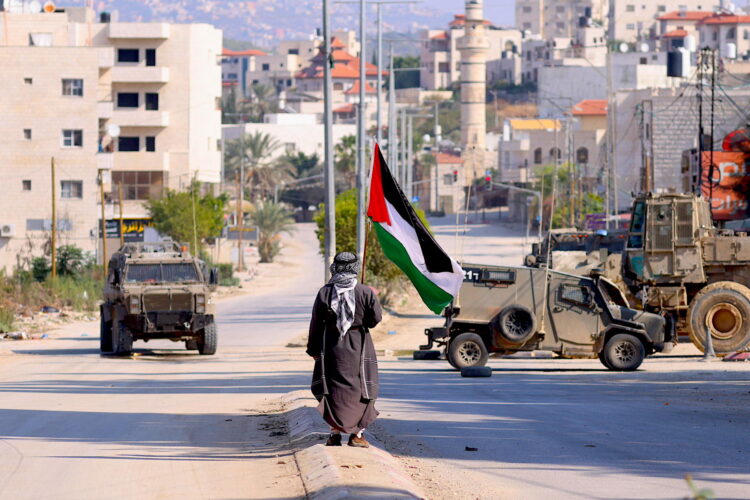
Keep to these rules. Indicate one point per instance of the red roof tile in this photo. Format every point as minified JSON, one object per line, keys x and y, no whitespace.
{"x":460,"y":20}
{"x":369,"y":89}
{"x":241,"y":53}
{"x":591,"y":107}
{"x":675,"y":34}
{"x":346,"y":108}
{"x":337,"y":44}
{"x":689,"y":15}
{"x":443,"y":158}
{"x":440,"y":36}
{"x":726,"y":19}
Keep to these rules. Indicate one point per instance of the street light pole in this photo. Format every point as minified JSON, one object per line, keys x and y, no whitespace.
{"x":392,"y":151}
{"x":361,"y":134}
{"x":330,"y":189}
{"x":379,"y":120}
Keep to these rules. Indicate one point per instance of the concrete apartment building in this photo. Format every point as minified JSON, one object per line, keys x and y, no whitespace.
{"x":441,"y":59}
{"x":723,"y":31}
{"x":638,"y":20}
{"x":235,"y":66}
{"x":68,"y":79}
{"x":557,"y":18}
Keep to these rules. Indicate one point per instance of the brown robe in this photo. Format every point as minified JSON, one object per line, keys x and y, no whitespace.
{"x":345,"y":377}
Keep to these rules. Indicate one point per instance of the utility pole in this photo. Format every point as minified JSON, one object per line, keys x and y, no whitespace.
{"x":330,"y":188}
{"x":105,"y":263}
{"x":392,"y":150}
{"x":122,"y":224}
{"x":408,"y":175}
{"x":402,"y":157}
{"x":241,"y":202}
{"x":54,"y":220}
{"x":361,"y":135}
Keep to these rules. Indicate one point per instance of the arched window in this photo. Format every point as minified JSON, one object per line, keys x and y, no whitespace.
{"x":555,"y":153}
{"x":582,"y":155}
{"x":731,"y":33}
{"x":538,"y":156}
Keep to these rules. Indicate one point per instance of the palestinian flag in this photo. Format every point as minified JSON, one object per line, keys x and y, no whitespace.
{"x":407,"y":243}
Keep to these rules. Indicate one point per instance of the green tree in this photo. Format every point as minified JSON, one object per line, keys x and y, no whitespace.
{"x":229,"y":107}
{"x":305,"y":193}
{"x":407,"y":79}
{"x":261,"y":173}
{"x":173,"y":215}
{"x":345,"y":154}
{"x":271,"y":219}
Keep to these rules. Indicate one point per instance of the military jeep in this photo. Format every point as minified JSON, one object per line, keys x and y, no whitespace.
{"x":509,"y":309}
{"x":157,"y":291}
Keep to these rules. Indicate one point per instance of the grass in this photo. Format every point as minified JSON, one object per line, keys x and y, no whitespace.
{"x":21,"y":294}
{"x":7,"y":319}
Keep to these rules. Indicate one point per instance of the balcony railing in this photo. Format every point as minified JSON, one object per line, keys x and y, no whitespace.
{"x":140,"y":74}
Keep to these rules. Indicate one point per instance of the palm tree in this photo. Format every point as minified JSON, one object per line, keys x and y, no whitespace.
{"x":261,"y":174}
{"x":346,"y":155}
{"x":271,"y":219}
{"x":305,"y":193}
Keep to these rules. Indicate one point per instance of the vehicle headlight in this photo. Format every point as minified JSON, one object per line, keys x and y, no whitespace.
{"x":200,"y":303}
{"x":135,"y":303}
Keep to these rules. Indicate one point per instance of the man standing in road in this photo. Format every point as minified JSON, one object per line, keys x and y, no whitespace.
{"x":345,"y":377}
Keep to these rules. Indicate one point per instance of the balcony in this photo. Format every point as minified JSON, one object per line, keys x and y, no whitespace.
{"x":134,"y":31}
{"x":140,"y":74}
{"x":104,"y":109}
{"x":140,"y":118}
{"x":106,"y":57}
{"x":140,"y":161}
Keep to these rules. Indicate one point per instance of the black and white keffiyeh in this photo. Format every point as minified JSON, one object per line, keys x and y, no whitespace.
{"x":344,"y":271}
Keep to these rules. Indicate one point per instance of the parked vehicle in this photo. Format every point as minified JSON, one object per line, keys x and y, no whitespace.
{"x":510,"y":309}
{"x":157,"y":291}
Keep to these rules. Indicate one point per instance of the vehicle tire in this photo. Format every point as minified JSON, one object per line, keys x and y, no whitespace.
{"x":467,"y":349}
{"x":105,"y":335}
{"x":623,"y":353}
{"x":122,"y":339}
{"x":426,"y":355}
{"x":516,"y":324}
{"x":191,"y":345}
{"x":603,"y":360}
{"x":208,"y":341}
{"x":476,"y":371}
{"x":722,"y":308}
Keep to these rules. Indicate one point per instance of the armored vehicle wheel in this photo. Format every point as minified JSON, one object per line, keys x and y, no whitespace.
{"x":516,"y":324}
{"x":191,"y":345}
{"x":623,"y":352}
{"x":122,"y":339}
{"x":207,"y":343}
{"x":105,"y":335}
{"x":426,"y":355}
{"x":603,"y":360}
{"x":467,"y":349}
{"x":476,"y":371}
{"x":723,"y":309}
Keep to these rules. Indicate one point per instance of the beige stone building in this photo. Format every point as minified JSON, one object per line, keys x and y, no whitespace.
{"x":139,"y":101}
{"x":441,"y":58}
{"x":723,"y":31}
{"x":638,"y":20}
{"x":557,"y":18}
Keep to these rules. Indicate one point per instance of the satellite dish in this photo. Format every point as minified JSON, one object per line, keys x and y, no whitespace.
{"x":49,"y":7}
{"x":34,"y":7}
{"x":113,"y":130}
{"x":624,"y":47}
{"x":643,"y":47}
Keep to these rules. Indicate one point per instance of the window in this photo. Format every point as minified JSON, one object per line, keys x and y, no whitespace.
{"x":40,"y":39}
{"x":661,"y":8}
{"x":71,"y":189}
{"x":444,"y":67}
{"x":26,"y":183}
{"x":150,"y":57}
{"x":72,"y":138}
{"x":582,"y":155}
{"x":266,"y":67}
{"x":555,"y":153}
{"x":139,"y":185}
{"x":28,"y":81}
{"x":746,"y":35}
{"x":290,"y":147}
{"x":338,"y":86}
{"x":527,"y":26}
{"x":630,"y":26}
{"x":72,"y":86}
{"x":151,"y":143}
{"x":630,"y":8}
{"x":293,"y":52}
{"x":731,"y":33}
{"x":128,"y":144}
{"x":155,"y":273}
{"x":152,"y":101}
{"x":127,"y":99}
{"x":538,"y":156}
{"x":526,"y":9}
{"x":127,"y":55}
{"x":288,"y":83}
{"x":231,"y":76}
{"x":635,"y":240}
{"x":27,"y":134}
{"x":643,"y":60}
{"x":577,"y":294}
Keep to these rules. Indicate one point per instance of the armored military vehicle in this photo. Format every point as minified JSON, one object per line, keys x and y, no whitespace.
{"x":157,"y":291}
{"x":510,"y":309}
{"x":678,"y":262}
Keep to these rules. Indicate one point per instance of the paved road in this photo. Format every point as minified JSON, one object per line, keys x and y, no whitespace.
{"x":166,"y":423}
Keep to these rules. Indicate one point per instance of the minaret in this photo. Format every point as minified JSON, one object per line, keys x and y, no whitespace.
{"x":473,"y":47}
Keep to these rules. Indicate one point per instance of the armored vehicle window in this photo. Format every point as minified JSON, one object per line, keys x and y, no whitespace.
{"x":143,"y":273}
{"x":636,"y":226}
{"x":179,"y":272}
{"x":577,"y":294}
{"x":612,"y":293}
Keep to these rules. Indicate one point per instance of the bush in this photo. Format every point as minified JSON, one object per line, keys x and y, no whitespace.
{"x":71,"y":261}
{"x":40,"y":268}
{"x":7,"y":319}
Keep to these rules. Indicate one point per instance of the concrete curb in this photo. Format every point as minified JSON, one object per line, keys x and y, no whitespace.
{"x":321,"y":467}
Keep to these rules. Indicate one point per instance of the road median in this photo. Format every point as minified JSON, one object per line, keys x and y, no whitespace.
{"x":341,"y":472}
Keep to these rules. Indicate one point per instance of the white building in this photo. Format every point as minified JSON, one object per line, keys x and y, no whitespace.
{"x":70,"y":84}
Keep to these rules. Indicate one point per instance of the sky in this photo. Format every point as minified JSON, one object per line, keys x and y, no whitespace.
{"x":500,"y":12}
